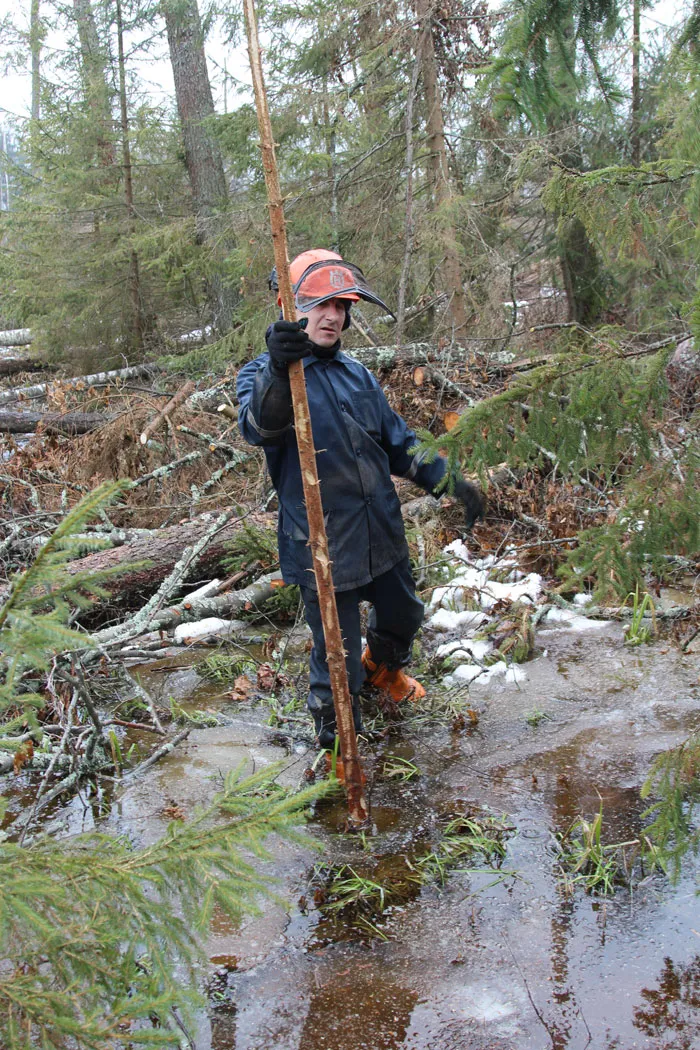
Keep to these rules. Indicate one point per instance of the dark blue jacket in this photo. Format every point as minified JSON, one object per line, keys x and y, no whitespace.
{"x":360,"y":443}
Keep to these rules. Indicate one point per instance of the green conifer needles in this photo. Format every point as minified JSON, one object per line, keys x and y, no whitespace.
{"x":33,"y":617}
{"x":674,"y":781}
{"x":595,"y":413}
{"x":101,"y":942}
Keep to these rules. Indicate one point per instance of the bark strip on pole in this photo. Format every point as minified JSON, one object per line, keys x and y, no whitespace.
{"x":357,"y":807}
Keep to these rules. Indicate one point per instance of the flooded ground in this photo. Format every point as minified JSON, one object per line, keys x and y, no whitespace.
{"x":516,"y":963}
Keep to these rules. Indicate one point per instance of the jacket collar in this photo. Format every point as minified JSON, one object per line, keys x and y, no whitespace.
{"x":313,"y":359}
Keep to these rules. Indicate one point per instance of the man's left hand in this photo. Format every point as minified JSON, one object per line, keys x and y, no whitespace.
{"x":471,"y":499}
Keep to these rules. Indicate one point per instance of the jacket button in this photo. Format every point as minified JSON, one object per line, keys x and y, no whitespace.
{"x":343,"y":406}
{"x":368,"y":500}
{"x":358,"y":451}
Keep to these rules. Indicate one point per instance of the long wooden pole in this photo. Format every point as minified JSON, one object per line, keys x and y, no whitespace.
{"x":358,"y":813}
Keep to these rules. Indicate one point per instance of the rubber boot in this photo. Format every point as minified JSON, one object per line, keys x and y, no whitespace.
{"x":324,"y":720}
{"x":397,"y":684}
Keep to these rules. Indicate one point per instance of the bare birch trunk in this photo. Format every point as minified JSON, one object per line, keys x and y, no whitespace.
{"x":24,"y":393}
{"x":16,"y":337}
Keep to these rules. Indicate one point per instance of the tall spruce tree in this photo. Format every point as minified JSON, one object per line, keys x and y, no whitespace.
{"x":549,"y":58}
{"x":203,"y":159}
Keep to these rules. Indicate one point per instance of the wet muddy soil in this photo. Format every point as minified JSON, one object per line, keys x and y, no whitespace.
{"x":509,"y":963}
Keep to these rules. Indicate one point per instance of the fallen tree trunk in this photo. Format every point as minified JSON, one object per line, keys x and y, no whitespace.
{"x":427,"y":355}
{"x":70,"y":423}
{"x":157,"y":554}
{"x":16,"y":337}
{"x":10,"y":366}
{"x":193,"y":609}
{"x":96,"y":380}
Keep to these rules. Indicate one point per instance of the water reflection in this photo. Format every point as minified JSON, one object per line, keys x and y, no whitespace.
{"x":357,"y":1010}
{"x":223,"y":1028}
{"x":673,"y":1007}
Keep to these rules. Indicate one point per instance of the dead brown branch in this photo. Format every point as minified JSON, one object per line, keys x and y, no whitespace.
{"x":166,"y":411}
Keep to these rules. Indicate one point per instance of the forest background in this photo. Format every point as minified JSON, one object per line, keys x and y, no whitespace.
{"x":519,"y":180}
{"x":521,"y":184}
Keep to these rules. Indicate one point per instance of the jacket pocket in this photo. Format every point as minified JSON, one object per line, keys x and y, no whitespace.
{"x":367,"y":411}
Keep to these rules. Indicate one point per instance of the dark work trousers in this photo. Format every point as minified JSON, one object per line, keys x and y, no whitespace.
{"x":393,"y":624}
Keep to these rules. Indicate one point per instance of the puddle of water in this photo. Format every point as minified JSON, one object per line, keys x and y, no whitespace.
{"x":516,"y":965}
{"x":478,"y":964}
{"x":177,"y":677}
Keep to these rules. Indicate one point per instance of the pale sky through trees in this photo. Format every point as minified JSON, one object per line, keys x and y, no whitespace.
{"x":156,"y":74}
{"x":154,"y":70}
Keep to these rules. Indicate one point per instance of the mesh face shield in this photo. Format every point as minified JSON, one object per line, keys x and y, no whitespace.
{"x":333,"y":279}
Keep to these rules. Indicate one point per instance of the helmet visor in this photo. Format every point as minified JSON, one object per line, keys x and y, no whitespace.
{"x":333,"y":279}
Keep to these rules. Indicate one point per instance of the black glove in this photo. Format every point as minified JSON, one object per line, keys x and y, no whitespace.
{"x":472,"y":500}
{"x":287,"y":341}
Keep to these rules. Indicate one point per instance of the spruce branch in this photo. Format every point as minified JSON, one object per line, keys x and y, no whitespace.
{"x":59,"y":547}
{"x":95,"y":931}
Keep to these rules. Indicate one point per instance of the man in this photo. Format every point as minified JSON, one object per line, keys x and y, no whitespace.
{"x":360,"y":443}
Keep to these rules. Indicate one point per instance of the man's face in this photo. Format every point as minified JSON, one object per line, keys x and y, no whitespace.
{"x":325,"y":322}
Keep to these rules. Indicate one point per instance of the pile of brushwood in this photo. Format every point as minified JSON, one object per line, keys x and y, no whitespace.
{"x":134,"y":519}
{"x":136,"y":492}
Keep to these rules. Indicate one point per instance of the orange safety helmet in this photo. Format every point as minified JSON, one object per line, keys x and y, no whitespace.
{"x":318,"y":275}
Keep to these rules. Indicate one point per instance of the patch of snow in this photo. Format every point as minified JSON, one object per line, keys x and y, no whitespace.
{"x":474,"y":577}
{"x":582,"y":599}
{"x":512,"y":674}
{"x":459,"y":549}
{"x":195,"y":336}
{"x":573,"y":621}
{"x":497,"y":670}
{"x":448,"y":620}
{"x":463,"y":675}
{"x":529,"y":589}
{"x":479,"y":649}
{"x":212,"y":625}
{"x":473,"y":674}
{"x":465,"y":648}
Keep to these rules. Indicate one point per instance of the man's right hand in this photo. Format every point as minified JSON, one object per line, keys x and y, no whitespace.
{"x":287,"y":341}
